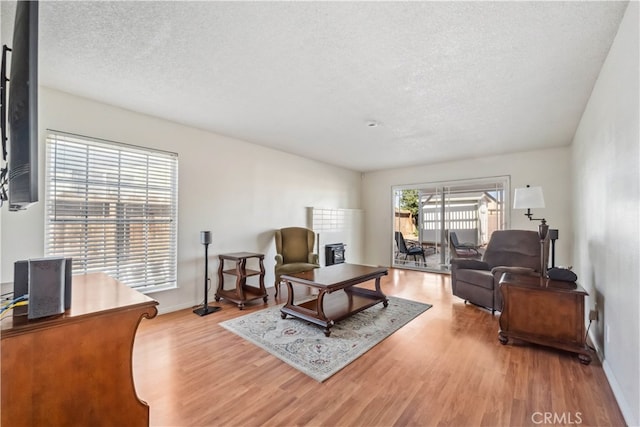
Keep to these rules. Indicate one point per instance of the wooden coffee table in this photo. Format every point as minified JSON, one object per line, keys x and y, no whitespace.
{"x":338,"y":277}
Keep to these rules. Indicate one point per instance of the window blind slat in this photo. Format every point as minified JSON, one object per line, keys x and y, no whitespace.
{"x":112,"y":208}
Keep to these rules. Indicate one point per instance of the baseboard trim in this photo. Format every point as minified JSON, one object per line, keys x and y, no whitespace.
{"x":593,"y":343}
{"x":627,"y":414}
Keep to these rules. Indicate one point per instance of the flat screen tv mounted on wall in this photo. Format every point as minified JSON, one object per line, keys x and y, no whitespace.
{"x":23,"y":109}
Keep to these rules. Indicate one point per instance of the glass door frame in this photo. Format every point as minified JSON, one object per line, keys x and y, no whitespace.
{"x":443,"y":190}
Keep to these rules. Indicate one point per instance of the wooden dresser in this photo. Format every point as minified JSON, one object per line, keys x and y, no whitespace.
{"x":76,"y":369}
{"x":545,"y":312}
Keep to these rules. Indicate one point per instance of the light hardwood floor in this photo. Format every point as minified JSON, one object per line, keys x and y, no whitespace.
{"x":446,"y":367}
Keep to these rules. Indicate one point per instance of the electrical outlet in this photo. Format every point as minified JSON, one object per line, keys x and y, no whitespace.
{"x":593,"y":315}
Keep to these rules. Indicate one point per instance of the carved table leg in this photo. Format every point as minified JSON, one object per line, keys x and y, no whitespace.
{"x":385,"y":301}
{"x":585,"y":359}
{"x":502,"y":338}
{"x":320,"y":313}
{"x":289,"y":297}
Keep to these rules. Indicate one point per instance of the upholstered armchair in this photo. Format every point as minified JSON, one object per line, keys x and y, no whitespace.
{"x":516,"y":251}
{"x":294,"y":252}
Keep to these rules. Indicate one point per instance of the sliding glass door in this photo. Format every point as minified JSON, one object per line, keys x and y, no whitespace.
{"x":434,"y":222}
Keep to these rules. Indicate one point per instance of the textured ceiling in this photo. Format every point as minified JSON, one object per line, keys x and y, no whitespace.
{"x":443,"y":80}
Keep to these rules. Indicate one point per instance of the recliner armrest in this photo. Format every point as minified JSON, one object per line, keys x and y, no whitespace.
{"x":471,"y":264}
{"x":499,"y":270}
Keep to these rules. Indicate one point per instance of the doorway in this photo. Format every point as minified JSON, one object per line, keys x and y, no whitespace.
{"x":441,"y":220}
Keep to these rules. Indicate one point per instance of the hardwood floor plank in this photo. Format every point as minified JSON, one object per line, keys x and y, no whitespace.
{"x":444,"y":368}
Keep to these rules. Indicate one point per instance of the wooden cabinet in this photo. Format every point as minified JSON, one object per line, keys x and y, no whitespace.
{"x":545,"y":312}
{"x":242,"y":291}
{"x":76,"y":369}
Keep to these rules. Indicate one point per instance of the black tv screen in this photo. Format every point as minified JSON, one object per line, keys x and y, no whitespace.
{"x":23,"y":108}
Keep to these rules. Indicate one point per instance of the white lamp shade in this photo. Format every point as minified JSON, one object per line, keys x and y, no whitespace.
{"x":528,"y":198}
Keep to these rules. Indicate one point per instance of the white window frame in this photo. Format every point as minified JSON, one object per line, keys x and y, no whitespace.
{"x":112,"y":208}
{"x":446,"y":189}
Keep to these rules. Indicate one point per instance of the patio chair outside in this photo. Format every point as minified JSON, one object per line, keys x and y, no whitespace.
{"x":412,"y":250}
{"x":462,"y":250}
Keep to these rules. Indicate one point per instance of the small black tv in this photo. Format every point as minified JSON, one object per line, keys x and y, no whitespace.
{"x":23,"y":108}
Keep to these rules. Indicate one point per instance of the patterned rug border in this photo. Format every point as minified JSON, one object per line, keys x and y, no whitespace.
{"x":409,"y":310}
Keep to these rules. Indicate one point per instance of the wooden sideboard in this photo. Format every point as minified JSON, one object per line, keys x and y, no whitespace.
{"x":76,"y":368}
{"x":545,"y":312}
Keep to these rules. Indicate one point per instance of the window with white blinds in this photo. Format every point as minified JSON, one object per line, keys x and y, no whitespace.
{"x":112,"y":208}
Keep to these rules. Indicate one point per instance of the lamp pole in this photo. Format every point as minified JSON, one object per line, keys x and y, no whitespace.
{"x":543,"y":230}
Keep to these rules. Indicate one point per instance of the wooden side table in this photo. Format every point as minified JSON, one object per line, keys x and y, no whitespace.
{"x":543,"y":311}
{"x":242,"y":291}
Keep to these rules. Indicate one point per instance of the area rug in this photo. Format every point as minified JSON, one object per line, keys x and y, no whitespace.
{"x":303,"y":345}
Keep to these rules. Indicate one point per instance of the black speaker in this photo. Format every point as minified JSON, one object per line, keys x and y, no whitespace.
{"x":20,"y":278}
{"x":205,"y":237}
{"x":68,"y":265}
{"x":553,"y":235}
{"x":47,"y":278}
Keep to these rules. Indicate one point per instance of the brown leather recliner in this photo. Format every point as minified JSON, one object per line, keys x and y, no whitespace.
{"x":294,"y":252}
{"x":516,"y":251}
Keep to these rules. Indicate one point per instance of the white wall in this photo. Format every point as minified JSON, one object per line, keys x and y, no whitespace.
{"x":547,"y":168}
{"x":240,"y":191}
{"x":338,"y":226}
{"x":606,"y":163}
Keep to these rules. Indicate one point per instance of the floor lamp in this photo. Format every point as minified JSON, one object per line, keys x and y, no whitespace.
{"x":528,"y":198}
{"x":205,"y":239}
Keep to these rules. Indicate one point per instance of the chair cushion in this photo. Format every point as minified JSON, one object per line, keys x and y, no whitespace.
{"x":480,"y":278}
{"x":296,"y":267}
